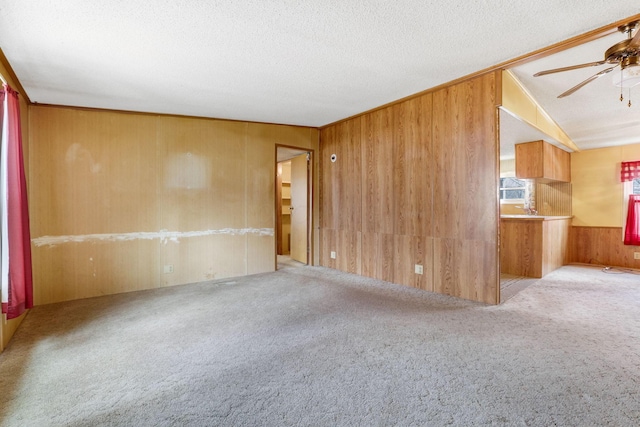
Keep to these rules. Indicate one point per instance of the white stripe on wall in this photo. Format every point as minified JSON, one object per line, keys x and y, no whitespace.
{"x":163,"y":235}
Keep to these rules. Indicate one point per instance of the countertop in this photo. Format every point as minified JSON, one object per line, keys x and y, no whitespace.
{"x":535,"y":217}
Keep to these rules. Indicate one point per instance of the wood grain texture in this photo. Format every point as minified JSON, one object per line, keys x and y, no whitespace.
{"x":530,"y":160}
{"x":431,"y":160}
{"x":412,"y":174}
{"x":409,"y":251}
{"x":349,"y":216}
{"x":105,"y":172}
{"x":601,"y":246}
{"x":378,"y":256}
{"x":465,"y":198}
{"x":533,"y":248}
{"x":329,"y":180}
{"x":553,"y":198}
{"x":93,"y":172}
{"x":521,"y":247}
{"x":465,"y":164}
{"x":377,"y":172}
{"x":555,"y":244}
{"x":465,"y":269}
{"x":341,"y":180}
{"x":348,"y":249}
{"x":557,"y":163}
{"x":328,"y":237}
{"x":539,"y":159}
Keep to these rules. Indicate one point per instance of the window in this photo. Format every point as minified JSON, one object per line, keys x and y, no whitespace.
{"x":630,"y":176}
{"x":512,"y":189}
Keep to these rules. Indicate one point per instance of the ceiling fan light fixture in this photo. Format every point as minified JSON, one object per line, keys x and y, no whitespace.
{"x":630,"y":74}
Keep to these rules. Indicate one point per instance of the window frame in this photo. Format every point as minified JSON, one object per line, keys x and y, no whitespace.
{"x":502,"y":189}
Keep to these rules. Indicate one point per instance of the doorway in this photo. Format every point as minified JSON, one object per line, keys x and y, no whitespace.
{"x":293,"y":207}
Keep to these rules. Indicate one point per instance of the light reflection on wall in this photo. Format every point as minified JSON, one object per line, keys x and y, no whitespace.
{"x":188,"y":171}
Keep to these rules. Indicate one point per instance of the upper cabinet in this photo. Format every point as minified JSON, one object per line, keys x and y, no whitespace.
{"x":541,"y":160}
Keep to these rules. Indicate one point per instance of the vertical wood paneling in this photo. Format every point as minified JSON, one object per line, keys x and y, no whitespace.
{"x":533,"y":248}
{"x":348,"y":245}
{"x":378,"y":256}
{"x":377,"y":172}
{"x":92,"y":172}
{"x":412,"y":174}
{"x":204,"y":187}
{"x":329,"y":179}
{"x":465,"y":197}
{"x":555,"y":244}
{"x":521,"y":248}
{"x":601,"y":246}
{"x":428,"y":168}
{"x":463,"y":269}
{"x":553,"y":198}
{"x":465,"y":163}
{"x":328,"y":237}
{"x":409,"y":251}
{"x":111,"y":173}
{"x":349,"y":215}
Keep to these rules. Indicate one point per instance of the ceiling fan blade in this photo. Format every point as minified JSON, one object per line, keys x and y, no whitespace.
{"x":572,"y":67}
{"x":584,"y":83}
{"x":635,"y":41}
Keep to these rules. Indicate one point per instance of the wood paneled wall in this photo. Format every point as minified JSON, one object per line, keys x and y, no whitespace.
{"x":601,"y":246}
{"x":553,"y":198}
{"x":416,"y":183}
{"x":116,"y":197}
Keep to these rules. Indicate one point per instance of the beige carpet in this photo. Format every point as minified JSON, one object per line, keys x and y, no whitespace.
{"x":510,"y":285}
{"x":315,"y":347}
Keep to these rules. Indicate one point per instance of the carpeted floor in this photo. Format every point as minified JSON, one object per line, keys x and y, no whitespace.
{"x":510,"y":285}
{"x":315,"y":347}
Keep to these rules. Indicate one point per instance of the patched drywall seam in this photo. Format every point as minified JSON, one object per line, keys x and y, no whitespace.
{"x":163,"y":235}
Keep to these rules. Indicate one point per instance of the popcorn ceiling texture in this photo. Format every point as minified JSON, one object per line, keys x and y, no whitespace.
{"x":304,"y":62}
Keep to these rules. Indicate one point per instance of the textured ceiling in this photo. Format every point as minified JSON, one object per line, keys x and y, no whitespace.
{"x":593,"y":116}
{"x":293,"y":62}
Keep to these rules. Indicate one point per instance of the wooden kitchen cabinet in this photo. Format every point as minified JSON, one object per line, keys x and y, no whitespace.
{"x":533,"y":246}
{"x":541,"y":160}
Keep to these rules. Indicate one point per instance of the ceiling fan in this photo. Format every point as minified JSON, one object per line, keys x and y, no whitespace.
{"x":625,"y":54}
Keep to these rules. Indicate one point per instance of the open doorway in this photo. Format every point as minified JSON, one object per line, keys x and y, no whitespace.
{"x":293,"y":207}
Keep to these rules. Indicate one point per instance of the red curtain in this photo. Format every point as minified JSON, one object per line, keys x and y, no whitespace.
{"x":20,"y":288}
{"x":632,"y":230}
{"x":629,"y":171}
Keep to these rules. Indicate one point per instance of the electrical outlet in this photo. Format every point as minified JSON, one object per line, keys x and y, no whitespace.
{"x":419,"y":269}
{"x":636,"y":255}
{"x":333,"y":254}
{"x":168,"y":269}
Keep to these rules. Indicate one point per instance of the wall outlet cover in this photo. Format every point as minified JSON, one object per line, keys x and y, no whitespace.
{"x":168,"y":269}
{"x":636,"y":255}
{"x":333,"y":254}
{"x":419,"y":269}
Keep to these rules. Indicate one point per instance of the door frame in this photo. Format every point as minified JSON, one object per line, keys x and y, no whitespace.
{"x":295,"y":151}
